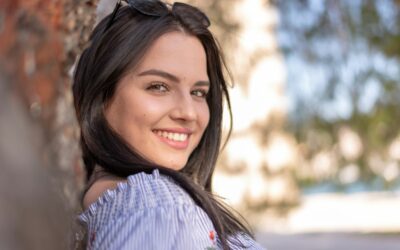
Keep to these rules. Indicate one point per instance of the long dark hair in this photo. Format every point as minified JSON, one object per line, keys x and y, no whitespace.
{"x":112,"y":52}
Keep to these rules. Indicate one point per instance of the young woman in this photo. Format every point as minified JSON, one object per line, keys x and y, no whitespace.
{"x":148,"y":95}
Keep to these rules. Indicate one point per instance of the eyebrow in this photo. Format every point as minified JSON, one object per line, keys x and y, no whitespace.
{"x":171,"y":77}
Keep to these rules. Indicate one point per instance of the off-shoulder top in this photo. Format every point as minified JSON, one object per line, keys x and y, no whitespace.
{"x":151,"y":211}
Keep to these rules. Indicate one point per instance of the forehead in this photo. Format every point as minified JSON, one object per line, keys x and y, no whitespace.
{"x":177,"y":53}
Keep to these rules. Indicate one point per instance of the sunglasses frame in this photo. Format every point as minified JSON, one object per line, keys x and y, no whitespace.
{"x":163,"y":10}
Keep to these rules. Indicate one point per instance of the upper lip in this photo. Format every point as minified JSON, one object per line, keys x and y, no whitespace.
{"x":176,"y":130}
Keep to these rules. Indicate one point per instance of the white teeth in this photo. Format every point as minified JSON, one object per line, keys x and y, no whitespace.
{"x":172,"y":136}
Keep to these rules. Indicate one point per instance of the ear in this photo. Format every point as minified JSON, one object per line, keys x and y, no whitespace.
{"x":104,"y":7}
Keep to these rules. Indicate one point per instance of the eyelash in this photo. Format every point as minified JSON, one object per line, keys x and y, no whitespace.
{"x":156,"y":86}
{"x":203,"y":93}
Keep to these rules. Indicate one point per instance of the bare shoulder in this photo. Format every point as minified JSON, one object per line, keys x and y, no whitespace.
{"x":99,"y":187}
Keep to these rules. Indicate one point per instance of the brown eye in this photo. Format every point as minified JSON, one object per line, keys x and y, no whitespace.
{"x":200,"y":93}
{"x":158,"y":87}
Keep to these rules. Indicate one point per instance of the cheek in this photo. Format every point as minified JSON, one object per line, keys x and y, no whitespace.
{"x":116,"y":113}
{"x":204,"y":116}
{"x":148,"y":110}
{"x":130,"y":113}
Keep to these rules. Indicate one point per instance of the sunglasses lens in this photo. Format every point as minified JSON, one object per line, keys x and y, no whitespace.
{"x":189,"y":12}
{"x":149,"y":7}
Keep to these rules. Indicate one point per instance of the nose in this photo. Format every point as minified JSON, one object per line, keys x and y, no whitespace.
{"x":184,"y":109}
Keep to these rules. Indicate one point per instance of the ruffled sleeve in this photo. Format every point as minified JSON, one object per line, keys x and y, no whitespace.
{"x":168,"y":227}
{"x":151,"y":211}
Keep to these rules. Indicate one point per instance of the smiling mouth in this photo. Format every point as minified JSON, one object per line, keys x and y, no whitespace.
{"x":179,"y":137}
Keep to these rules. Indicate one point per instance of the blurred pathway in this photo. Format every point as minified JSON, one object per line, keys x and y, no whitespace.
{"x":329,"y":241}
{"x":310,"y":226}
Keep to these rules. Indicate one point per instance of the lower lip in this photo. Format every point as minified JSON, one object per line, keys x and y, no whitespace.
{"x":175,"y":144}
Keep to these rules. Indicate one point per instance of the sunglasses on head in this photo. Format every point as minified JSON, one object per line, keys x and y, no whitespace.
{"x":156,"y":8}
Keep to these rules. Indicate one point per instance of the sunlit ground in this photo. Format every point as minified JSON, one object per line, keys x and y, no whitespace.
{"x":363,"y":212}
{"x":336,"y":221}
{"x":330,"y":241}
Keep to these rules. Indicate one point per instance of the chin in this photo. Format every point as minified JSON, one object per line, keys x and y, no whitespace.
{"x":174,"y":165}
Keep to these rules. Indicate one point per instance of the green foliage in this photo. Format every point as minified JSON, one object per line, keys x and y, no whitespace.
{"x":348,"y":54}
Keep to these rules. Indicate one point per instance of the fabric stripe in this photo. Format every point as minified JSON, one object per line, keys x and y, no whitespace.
{"x":150,"y":211}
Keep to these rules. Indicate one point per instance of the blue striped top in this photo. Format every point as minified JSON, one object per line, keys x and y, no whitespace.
{"x":151,"y":211}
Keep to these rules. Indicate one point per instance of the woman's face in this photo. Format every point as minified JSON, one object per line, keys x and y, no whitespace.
{"x":160,"y":108}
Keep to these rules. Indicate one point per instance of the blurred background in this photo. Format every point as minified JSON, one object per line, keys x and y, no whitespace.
{"x":313,"y":160}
